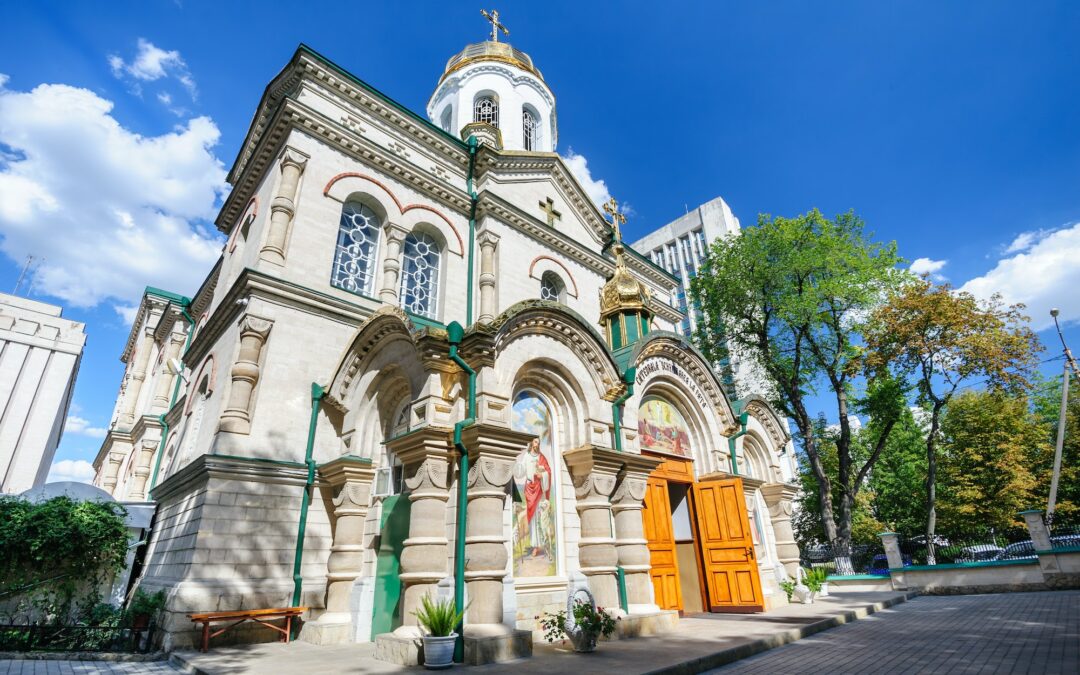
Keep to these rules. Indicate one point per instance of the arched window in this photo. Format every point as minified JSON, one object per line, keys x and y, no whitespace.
{"x":357,"y":249}
{"x":551,"y":287}
{"x":535,"y":543}
{"x":420,"y":275}
{"x":446,"y":117}
{"x":530,"y":129}
{"x":486,"y":109}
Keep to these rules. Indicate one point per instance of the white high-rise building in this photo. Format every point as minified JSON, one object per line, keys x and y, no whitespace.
{"x":39,"y":360}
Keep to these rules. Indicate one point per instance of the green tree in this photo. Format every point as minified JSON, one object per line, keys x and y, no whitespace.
{"x":989,"y":442}
{"x":1046,"y":400}
{"x":899,"y":477}
{"x":793,"y":294}
{"x":945,"y":339}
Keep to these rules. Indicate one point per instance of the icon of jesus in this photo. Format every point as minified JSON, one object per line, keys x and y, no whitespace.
{"x":533,"y":470}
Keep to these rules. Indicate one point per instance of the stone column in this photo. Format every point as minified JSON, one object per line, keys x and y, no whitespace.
{"x":111,"y":471}
{"x":488,"y":241}
{"x":163,"y":388}
{"x":283,"y":206}
{"x":492,"y":453}
{"x":395,"y":236}
{"x":143,"y":460}
{"x":245,"y":374}
{"x":137,"y":377}
{"x":891,"y":542}
{"x":595,"y":472}
{"x":426,"y":456}
{"x":631,"y":546}
{"x":779,"y":497}
{"x":1040,"y":536}
{"x":350,"y":478}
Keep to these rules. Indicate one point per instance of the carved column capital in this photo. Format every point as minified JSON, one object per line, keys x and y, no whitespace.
{"x":291,"y":157}
{"x":487,"y":239}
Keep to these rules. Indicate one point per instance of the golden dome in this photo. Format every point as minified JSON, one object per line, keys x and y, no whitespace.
{"x":623,"y":291}
{"x":490,"y":51}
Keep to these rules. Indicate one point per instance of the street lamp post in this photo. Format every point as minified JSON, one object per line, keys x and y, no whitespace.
{"x":1070,"y":365}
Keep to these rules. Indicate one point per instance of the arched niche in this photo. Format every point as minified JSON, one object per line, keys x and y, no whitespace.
{"x":537,"y":485}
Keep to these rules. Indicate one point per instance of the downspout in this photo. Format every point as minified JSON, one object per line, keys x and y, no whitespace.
{"x":616,"y":407}
{"x":317,"y":393}
{"x":456,"y":333}
{"x":743,"y":419}
{"x":172,"y":401}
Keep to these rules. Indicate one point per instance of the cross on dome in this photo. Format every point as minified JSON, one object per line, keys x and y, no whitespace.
{"x":612,"y":208}
{"x":493,"y":17}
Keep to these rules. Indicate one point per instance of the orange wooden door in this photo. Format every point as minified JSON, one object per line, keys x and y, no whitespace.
{"x":658,"y":531}
{"x":727,"y":547}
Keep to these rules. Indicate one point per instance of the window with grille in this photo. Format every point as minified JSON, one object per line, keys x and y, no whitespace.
{"x":357,"y":249}
{"x":551,"y":287}
{"x":446,"y":115}
{"x":486,"y":110}
{"x":529,"y":131}
{"x":420,"y":274}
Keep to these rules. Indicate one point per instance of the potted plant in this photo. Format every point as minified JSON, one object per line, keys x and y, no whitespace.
{"x":815,"y":577}
{"x":438,"y":618}
{"x":582,"y":623}
{"x":821,"y":575}
{"x":144,"y":607}
{"x":802,"y":588}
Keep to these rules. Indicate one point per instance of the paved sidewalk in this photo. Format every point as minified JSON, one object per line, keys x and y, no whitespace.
{"x":52,"y":667}
{"x":1001,"y":633}
{"x":700,"y":642}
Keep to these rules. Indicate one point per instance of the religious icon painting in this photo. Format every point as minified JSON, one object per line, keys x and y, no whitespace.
{"x":535,"y":540}
{"x":662,"y":429}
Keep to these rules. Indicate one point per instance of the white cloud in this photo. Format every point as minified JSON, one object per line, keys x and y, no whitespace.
{"x":151,"y":63}
{"x":579,"y":166}
{"x":110,"y":210}
{"x":80,"y":425}
{"x":1025,"y":240}
{"x":1045,"y":275}
{"x":77,"y":470}
{"x":928,"y":267}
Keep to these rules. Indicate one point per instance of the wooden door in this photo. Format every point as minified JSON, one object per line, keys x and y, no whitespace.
{"x":727,"y":547}
{"x":658,"y":531}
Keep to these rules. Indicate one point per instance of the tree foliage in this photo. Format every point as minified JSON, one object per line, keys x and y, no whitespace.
{"x":1046,"y":401}
{"x":794,"y":295}
{"x":899,"y":477}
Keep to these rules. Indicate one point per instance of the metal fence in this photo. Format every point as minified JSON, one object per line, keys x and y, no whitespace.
{"x":858,"y":559}
{"x":966,"y":547}
{"x":56,"y":638}
{"x":1065,"y":532}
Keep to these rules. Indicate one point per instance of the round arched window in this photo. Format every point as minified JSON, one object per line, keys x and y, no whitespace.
{"x":551,"y":287}
{"x":486,"y":109}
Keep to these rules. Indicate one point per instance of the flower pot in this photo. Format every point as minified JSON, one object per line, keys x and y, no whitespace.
{"x":439,"y":651}
{"x":824,"y":590}
{"x":583,"y":642}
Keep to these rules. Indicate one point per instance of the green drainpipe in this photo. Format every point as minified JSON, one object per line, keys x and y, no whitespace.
{"x":172,"y":401}
{"x":317,"y":393}
{"x":473,"y":147}
{"x":616,"y":407}
{"x":743,"y":418}
{"x":455,"y":334}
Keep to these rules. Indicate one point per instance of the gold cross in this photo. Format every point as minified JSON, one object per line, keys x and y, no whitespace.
{"x":549,"y":208}
{"x":493,"y":17}
{"x":612,"y":209}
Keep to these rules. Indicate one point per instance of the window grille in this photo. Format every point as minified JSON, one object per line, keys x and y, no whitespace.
{"x":420,"y":275}
{"x":528,"y":129}
{"x":550,"y":288}
{"x":486,"y":110}
{"x":357,"y":247}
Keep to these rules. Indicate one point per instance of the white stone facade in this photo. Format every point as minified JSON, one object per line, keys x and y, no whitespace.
{"x":40,"y":353}
{"x":345,"y":208}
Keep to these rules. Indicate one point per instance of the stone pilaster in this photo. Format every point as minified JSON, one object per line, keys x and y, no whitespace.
{"x":631,"y":546}
{"x":395,"y":236}
{"x":136,"y":379}
{"x":891,"y":542}
{"x":143,"y":460}
{"x":350,"y":477}
{"x":492,"y":452}
{"x":283,"y":206}
{"x":427,"y":458}
{"x":1036,"y":525}
{"x":488,"y":241}
{"x":245,"y":374}
{"x":111,"y":471}
{"x":779,"y":498}
{"x":595,"y":472}
{"x":164,"y":386}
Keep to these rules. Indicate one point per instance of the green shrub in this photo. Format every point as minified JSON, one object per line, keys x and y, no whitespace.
{"x":438,"y":617}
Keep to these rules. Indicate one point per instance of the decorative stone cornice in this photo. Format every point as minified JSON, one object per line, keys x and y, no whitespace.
{"x":205,"y":467}
{"x":759,"y":409}
{"x":427,"y":448}
{"x":677,"y":349}
{"x":340,"y":471}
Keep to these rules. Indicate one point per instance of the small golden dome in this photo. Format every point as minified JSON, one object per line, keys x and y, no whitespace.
{"x":490,"y":51}
{"x":623,"y":291}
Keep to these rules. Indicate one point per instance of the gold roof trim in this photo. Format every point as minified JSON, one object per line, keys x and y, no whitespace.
{"x":490,"y":51}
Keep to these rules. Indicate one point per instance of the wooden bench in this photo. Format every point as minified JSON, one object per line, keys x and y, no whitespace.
{"x":263,"y":616}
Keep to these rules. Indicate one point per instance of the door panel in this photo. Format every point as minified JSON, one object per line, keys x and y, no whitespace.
{"x":656,"y":517}
{"x":727,"y":549}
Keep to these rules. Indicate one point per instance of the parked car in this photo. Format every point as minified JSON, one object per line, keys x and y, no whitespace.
{"x":980,"y":553}
{"x":1025,"y":550}
{"x":880,"y":564}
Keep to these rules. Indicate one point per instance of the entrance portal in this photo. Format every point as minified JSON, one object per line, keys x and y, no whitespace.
{"x":700,"y":542}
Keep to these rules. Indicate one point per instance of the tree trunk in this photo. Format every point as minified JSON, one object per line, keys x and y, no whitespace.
{"x":806,"y":428}
{"x":931,"y":481}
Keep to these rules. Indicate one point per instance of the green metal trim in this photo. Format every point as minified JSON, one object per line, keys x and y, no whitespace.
{"x":616,"y":407}
{"x":743,"y":419}
{"x":181,"y":300}
{"x":1063,"y":549}
{"x":473,"y":201}
{"x":882,"y":534}
{"x":858,"y":577}
{"x":1021,"y":513}
{"x":393,"y":531}
{"x":425,"y":321}
{"x":455,"y":333}
{"x":621,"y":578}
{"x":175,"y":392}
{"x":317,"y":392}
{"x":352,"y":459}
{"x":961,"y":566}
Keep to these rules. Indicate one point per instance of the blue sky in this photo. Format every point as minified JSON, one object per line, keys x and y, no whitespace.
{"x":949,"y":127}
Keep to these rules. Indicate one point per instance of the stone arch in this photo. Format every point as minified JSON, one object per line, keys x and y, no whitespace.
{"x":774,"y":432}
{"x":243,"y":224}
{"x":706,"y":435}
{"x":207,"y":371}
{"x":756,"y":461}
{"x":679,"y":350}
{"x":566,"y":400}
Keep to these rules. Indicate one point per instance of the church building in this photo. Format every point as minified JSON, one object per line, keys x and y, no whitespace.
{"x":426,"y":363}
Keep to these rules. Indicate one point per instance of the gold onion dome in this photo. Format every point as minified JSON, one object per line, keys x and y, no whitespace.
{"x":490,"y":51}
{"x":623,"y":291}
